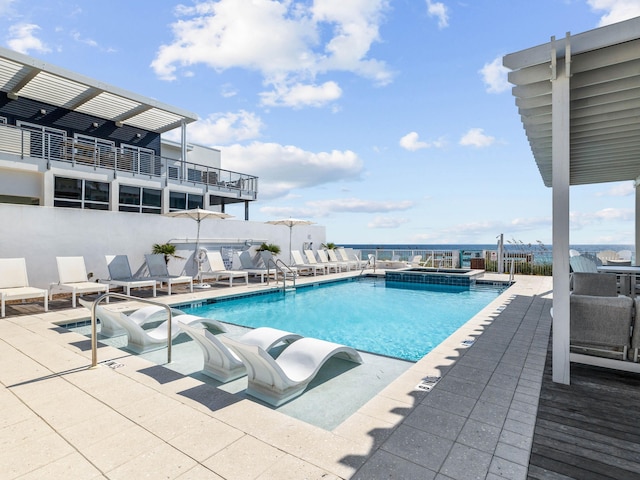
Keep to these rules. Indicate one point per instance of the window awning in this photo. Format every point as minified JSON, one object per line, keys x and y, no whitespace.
{"x":604,"y":69}
{"x":24,"y":76}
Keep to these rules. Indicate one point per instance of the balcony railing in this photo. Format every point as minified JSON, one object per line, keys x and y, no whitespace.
{"x":51,"y":146}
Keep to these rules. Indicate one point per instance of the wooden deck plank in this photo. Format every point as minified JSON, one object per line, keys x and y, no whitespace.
{"x":589,"y":429}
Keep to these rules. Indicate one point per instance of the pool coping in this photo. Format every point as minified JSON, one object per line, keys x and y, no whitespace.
{"x":270,"y":437}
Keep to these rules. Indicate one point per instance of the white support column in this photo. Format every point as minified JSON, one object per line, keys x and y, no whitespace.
{"x":560,"y":240}
{"x":183,"y":148}
{"x":637,"y":243}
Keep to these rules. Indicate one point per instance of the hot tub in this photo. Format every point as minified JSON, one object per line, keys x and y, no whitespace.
{"x":462,"y":277}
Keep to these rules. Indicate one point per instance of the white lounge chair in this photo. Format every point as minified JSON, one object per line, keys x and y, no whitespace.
{"x":302,"y":266}
{"x":354,"y":260}
{"x":14,"y":283}
{"x":158,"y":271}
{"x":270,"y":261}
{"x":120,"y":275}
{"x":337,"y":266}
{"x":249,"y":267}
{"x":276,"y":381}
{"x":110,"y":326}
{"x":218,"y":270}
{"x":222,"y":363}
{"x":333,"y":257}
{"x":72,"y":275}
{"x":141,"y":340}
{"x":311,"y":260}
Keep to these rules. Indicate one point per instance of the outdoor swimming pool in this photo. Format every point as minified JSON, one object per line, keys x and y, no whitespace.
{"x":398,"y":320}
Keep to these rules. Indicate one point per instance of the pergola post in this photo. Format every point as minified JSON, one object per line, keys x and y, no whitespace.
{"x":560,"y":186}
{"x":637,"y":239}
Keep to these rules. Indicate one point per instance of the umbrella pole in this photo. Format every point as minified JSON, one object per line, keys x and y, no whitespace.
{"x":290,"y":230}
{"x":198,"y":264}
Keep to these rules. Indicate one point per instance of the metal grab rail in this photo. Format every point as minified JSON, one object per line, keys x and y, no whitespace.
{"x":369,"y":263}
{"x":94,"y":333}
{"x":281,"y":270}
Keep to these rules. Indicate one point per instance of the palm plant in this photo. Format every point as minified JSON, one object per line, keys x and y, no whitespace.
{"x":166,"y":249}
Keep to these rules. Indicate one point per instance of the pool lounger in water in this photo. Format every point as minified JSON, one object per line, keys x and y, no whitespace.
{"x":276,"y":381}
{"x":223,"y":364}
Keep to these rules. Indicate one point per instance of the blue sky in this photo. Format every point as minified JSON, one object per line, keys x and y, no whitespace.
{"x":387,"y":121}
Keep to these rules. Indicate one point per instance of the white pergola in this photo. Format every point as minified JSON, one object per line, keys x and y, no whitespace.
{"x":579,"y":100}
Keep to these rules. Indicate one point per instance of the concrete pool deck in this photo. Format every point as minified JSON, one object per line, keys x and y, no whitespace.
{"x":63,"y":420}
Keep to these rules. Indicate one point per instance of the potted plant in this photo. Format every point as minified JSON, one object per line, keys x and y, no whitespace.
{"x":166,"y":249}
{"x":329,"y":246}
{"x":269,"y":247}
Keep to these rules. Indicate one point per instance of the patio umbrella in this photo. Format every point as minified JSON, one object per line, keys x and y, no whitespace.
{"x":290,"y":222}
{"x":197,"y":214}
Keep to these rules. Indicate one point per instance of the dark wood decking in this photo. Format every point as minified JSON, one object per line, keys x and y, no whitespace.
{"x":589,"y":429}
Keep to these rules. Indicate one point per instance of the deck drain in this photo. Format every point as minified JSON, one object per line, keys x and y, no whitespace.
{"x":112,"y":364}
{"x":428,"y":383}
{"x":467,"y":343}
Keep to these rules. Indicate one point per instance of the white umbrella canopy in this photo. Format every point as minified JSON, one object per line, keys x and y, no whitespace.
{"x":197,"y":214}
{"x":290,"y":222}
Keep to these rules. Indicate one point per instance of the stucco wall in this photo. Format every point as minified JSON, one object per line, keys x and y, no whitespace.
{"x":41,"y":233}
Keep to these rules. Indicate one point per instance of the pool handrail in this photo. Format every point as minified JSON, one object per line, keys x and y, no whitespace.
{"x":276,"y":265}
{"x":94,"y":329}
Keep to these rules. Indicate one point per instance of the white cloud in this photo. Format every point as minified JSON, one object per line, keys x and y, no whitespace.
{"x":324,"y":208}
{"x":624,"y":189}
{"x":222,"y":128}
{"x":579,"y":220}
{"x":5,"y":6}
{"x":299,"y":95}
{"x":475,"y":137}
{"x":387,"y":222}
{"x":616,"y":10}
{"x":411,"y":141}
{"x":358,"y":205}
{"x":494,"y":75}
{"x":283,"y":168}
{"x":22,"y":38}
{"x":327,"y":36}
{"x":440,"y":11}
{"x":87,"y":41}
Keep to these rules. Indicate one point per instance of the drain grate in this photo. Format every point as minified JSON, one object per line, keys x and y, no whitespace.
{"x":112,"y":364}
{"x":427,"y":383}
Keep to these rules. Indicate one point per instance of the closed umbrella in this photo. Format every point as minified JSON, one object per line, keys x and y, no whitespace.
{"x":198,"y":214}
{"x":290,"y":222}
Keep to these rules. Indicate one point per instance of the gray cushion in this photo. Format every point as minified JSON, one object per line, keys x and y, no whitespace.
{"x":596,"y":284}
{"x":601,"y":321}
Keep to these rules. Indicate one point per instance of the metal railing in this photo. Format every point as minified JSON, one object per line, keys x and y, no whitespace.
{"x":94,"y":327}
{"x":57,"y":147}
{"x":278,"y":266}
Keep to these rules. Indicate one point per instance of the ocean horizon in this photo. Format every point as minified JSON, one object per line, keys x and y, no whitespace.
{"x":535,"y":247}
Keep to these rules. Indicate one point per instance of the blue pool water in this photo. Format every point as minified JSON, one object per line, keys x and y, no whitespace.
{"x":395,"y":320}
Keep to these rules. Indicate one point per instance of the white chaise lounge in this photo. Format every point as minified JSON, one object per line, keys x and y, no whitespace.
{"x":158,"y":271}
{"x":141,"y":340}
{"x":120,"y":275}
{"x":277,"y":381}
{"x":14,"y":283}
{"x":337,"y":266}
{"x":218,"y":270}
{"x":223,"y":364}
{"x":110,"y":326}
{"x":302,"y":266}
{"x":72,"y":275}
{"x":249,"y":267}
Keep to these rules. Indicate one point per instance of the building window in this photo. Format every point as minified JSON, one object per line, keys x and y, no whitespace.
{"x":79,"y":193}
{"x":183,"y":201}
{"x":140,"y":200}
